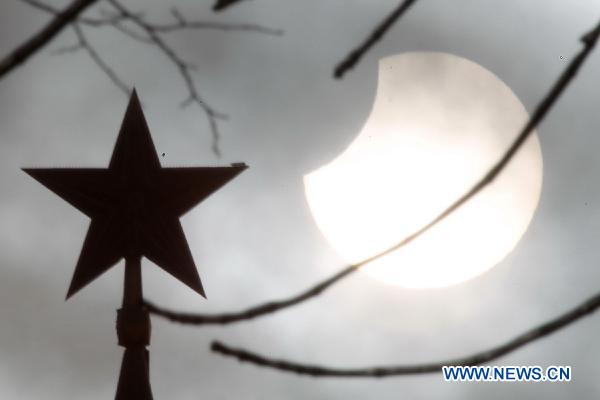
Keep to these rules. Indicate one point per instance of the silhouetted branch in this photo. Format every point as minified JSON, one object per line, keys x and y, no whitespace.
{"x":40,"y":39}
{"x":153,"y":31}
{"x":582,"y":310}
{"x":253,"y":312}
{"x":67,"y":49}
{"x":182,"y":23}
{"x":83,"y":43}
{"x":184,"y":70}
{"x":95,"y":22}
{"x":151,"y":34}
{"x":355,"y":55}
{"x":41,"y":6}
{"x":223,"y":4}
{"x":132,"y":34}
{"x":589,"y":41}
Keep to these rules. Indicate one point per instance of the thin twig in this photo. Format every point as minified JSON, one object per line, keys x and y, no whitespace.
{"x":220,"y":5}
{"x":95,"y":22}
{"x":589,"y":41}
{"x":67,"y":49}
{"x":547,"y":328}
{"x":40,"y":39}
{"x":122,"y":27}
{"x":184,"y":70}
{"x":153,"y":31}
{"x":151,"y":34}
{"x":112,"y":75}
{"x":219,"y":26}
{"x":182,"y":23}
{"x":253,"y":312}
{"x":41,"y":6}
{"x":355,"y":55}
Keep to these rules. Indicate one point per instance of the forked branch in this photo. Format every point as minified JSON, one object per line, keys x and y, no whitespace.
{"x":135,"y":26}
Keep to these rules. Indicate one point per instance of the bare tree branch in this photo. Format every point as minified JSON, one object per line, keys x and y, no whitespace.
{"x":40,"y":39}
{"x":184,"y":70}
{"x":182,"y":23}
{"x":68,"y":49}
{"x":153,"y":31}
{"x":41,"y":6}
{"x":219,"y":26}
{"x":223,"y":4}
{"x":355,"y":55}
{"x":150,"y":34}
{"x":125,"y":30}
{"x":253,"y":312}
{"x":589,"y":41}
{"x":547,"y":328}
{"x":83,"y":43}
{"x":95,"y":22}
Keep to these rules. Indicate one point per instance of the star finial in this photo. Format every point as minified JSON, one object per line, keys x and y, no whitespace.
{"x":135,"y":204}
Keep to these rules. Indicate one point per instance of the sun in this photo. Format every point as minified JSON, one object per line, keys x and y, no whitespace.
{"x":438,"y":123}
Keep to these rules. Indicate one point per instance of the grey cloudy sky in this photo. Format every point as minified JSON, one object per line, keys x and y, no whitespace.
{"x":255,"y":240}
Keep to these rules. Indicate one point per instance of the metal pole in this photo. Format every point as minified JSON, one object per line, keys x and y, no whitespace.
{"x":133,"y":331}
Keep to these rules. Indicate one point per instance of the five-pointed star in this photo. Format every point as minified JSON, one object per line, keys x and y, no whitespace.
{"x":135,"y":205}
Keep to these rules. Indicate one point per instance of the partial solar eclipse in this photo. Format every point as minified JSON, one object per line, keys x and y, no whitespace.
{"x":438,"y":123}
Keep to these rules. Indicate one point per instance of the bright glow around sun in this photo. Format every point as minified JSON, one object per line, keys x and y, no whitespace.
{"x":438,"y":123}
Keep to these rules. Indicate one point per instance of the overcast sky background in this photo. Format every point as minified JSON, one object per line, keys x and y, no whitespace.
{"x":255,"y":240}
